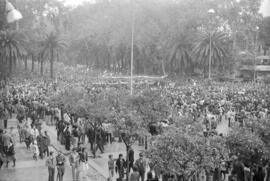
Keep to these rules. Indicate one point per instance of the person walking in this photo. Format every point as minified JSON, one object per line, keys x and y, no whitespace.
{"x":34,"y":133}
{"x":7,"y":141}
{"x":10,"y":155}
{"x":60,"y":163}
{"x":5,"y":118}
{"x":259,"y":174}
{"x":120,"y":166}
{"x":12,"y":134}
{"x":50,"y":163}
{"x":140,"y":164}
{"x":47,"y":143}
{"x":67,"y":138}
{"x":238,"y":170}
{"x":35,"y":150}
{"x":74,"y":163}
{"x":83,"y":162}
{"x":111,"y":167}
{"x":99,"y":141}
{"x":41,"y":145}
{"x":130,"y":157}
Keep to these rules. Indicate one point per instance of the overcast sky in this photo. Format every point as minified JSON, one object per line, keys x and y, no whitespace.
{"x":265,"y":9}
{"x":74,"y":2}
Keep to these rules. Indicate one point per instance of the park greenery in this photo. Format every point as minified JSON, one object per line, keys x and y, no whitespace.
{"x":170,"y":37}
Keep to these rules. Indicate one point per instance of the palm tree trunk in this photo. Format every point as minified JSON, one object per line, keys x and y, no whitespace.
{"x":25,"y":63}
{"x":15,"y":63}
{"x":109,"y":61}
{"x":33,"y":63}
{"x":41,"y":66}
{"x":137,"y":66}
{"x":10,"y":65}
{"x":163,"y":66}
{"x":51,"y":62}
{"x":10,"y":62}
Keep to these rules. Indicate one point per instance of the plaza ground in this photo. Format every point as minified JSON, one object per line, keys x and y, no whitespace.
{"x":29,"y":170}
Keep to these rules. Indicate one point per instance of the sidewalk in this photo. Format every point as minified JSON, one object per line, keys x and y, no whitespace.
{"x":29,"y":169}
{"x":100,"y":163}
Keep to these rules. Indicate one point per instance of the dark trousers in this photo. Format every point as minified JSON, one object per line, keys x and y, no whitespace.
{"x":131,"y":165}
{"x":60,"y":172}
{"x":121,"y":173}
{"x":100,"y":147}
{"x":5,"y":123}
{"x":142,"y":175}
{"x":41,"y":153}
{"x":5,"y":149}
{"x":91,"y":146}
{"x":46,"y":151}
{"x":51,"y":174}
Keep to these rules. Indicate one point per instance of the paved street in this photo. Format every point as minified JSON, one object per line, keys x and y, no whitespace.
{"x":29,"y":170}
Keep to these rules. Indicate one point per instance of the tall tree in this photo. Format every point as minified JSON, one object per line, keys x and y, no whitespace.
{"x":12,"y":48}
{"x":53,"y":47}
{"x":264,"y":34}
{"x":211,"y":44}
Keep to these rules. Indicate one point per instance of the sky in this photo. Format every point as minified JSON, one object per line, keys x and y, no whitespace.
{"x":74,"y":2}
{"x":265,"y":9}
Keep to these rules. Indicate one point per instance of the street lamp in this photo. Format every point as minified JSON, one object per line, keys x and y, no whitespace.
{"x":255,"y":53}
{"x":211,"y":12}
{"x":132,"y":44}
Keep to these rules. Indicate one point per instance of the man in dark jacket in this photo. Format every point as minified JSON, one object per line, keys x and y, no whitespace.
{"x":41,"y":142}
{"x":120,"y":165}
{"x":130,"y":157}
{"x":140,"y":164}
{"x":60,"y":163}
{"x":50,"y":163}
{"x":238,"y":170}
{"x":47,"y":142}
{"x":67,"y":138}
{"x":7,"y":141}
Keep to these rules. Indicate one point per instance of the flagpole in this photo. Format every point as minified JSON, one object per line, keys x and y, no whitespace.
{"x":132,"y":44}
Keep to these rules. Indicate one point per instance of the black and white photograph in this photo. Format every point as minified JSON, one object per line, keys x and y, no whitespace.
{"x":134,"y":90}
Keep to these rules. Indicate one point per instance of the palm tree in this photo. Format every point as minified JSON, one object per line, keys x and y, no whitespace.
{"x":53,"y":47}
{"x":2,"y":14}
{"x":217,"y":41}
{"x":11,"y":47}
{"x":181,"y":56}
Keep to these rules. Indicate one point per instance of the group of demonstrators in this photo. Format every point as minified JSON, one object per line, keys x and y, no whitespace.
{"x":239,"y":103}
{"x":77,"y":160}
{"x":70,"y":133}
{"x":139,"y":168}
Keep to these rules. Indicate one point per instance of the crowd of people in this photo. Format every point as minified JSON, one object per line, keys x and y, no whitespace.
{"x":239,"y":103}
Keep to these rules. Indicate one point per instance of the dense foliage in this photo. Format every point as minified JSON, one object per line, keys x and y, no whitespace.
{"x":168,"y":36}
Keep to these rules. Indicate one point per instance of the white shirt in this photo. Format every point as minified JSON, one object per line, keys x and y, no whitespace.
{"x":35,"y":132}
